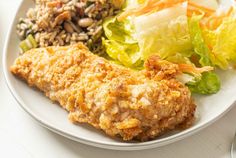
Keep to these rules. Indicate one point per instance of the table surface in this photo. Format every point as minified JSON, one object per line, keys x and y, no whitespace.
{"x":22,"y":137}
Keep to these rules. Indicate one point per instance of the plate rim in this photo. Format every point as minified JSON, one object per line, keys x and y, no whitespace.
{"x":113,"y":146}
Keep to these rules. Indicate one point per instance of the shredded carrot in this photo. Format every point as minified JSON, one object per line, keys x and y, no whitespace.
{"x":214,"y":21}
{"x":157,"y":5}
{"x":187,"y":68}
{"x":150,"y":5}
{"x":230,"y":11}
{"x":194,"y":11}
{"x":211,"y":20}
{"x":205,"y":9}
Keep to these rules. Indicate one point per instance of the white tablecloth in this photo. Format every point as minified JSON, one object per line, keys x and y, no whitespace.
{"x":22,"y":137}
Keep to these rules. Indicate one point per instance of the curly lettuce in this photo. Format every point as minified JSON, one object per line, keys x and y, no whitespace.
{"x":164,"y":33}
{"x":120,"y":45}
{"x":223,"y":43}
{"x":209,"y":82}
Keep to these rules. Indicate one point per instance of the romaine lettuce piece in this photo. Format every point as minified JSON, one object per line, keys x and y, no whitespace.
{"x":199,"y":45}
{"x":120,"y":45}
{"x":119,"y":31}
{"x":163,"y":33}
{"x":224,"y":43}
{"x":126,"y":54}
{"x":209,"y":82}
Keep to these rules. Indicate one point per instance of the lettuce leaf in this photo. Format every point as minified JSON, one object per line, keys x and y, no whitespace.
{"x":223,"y":41}
{"x":120,"y":45}
{"x":119,"y":31}
{"x":209,"y":82}
{"x":126,"y":54}
{"x":164,"y":33}
{"x":200,"y":48}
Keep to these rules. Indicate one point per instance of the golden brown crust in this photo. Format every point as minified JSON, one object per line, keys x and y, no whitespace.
{"x":120,"y":101}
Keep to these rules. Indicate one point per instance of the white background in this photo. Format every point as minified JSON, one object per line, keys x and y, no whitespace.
{"x":22,"y":137}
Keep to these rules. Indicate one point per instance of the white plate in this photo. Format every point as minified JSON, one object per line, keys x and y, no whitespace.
{"x":54,"y":117}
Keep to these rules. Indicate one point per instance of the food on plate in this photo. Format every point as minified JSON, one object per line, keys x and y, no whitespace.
{"x":64,"y":22}
{"x":122,"y":102}
{"x":128,"y":32}
{"x":153,"y":55}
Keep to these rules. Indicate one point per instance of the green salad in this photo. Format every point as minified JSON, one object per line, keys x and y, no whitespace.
{"x":198,"y":38}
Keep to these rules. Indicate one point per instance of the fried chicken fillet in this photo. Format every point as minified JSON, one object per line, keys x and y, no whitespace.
{"x":120,"y":101}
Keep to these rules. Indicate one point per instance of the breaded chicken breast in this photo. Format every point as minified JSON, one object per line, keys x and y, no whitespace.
{"x":120,"y":101}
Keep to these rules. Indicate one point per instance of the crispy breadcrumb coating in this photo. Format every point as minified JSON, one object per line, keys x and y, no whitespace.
{"x":122,"y":102}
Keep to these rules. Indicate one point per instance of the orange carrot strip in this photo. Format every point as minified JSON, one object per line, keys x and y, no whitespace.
{"x":149,"y":6}
{"x":191,"y":11}
{"x":201,"y":7}
{"x":199,"y":10}
{"x":187,"y":68}
{"x":214,"y":21}
{"x":230,"y":11}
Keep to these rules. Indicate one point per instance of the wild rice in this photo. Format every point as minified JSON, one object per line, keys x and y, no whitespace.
{"x":65,"y":22}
